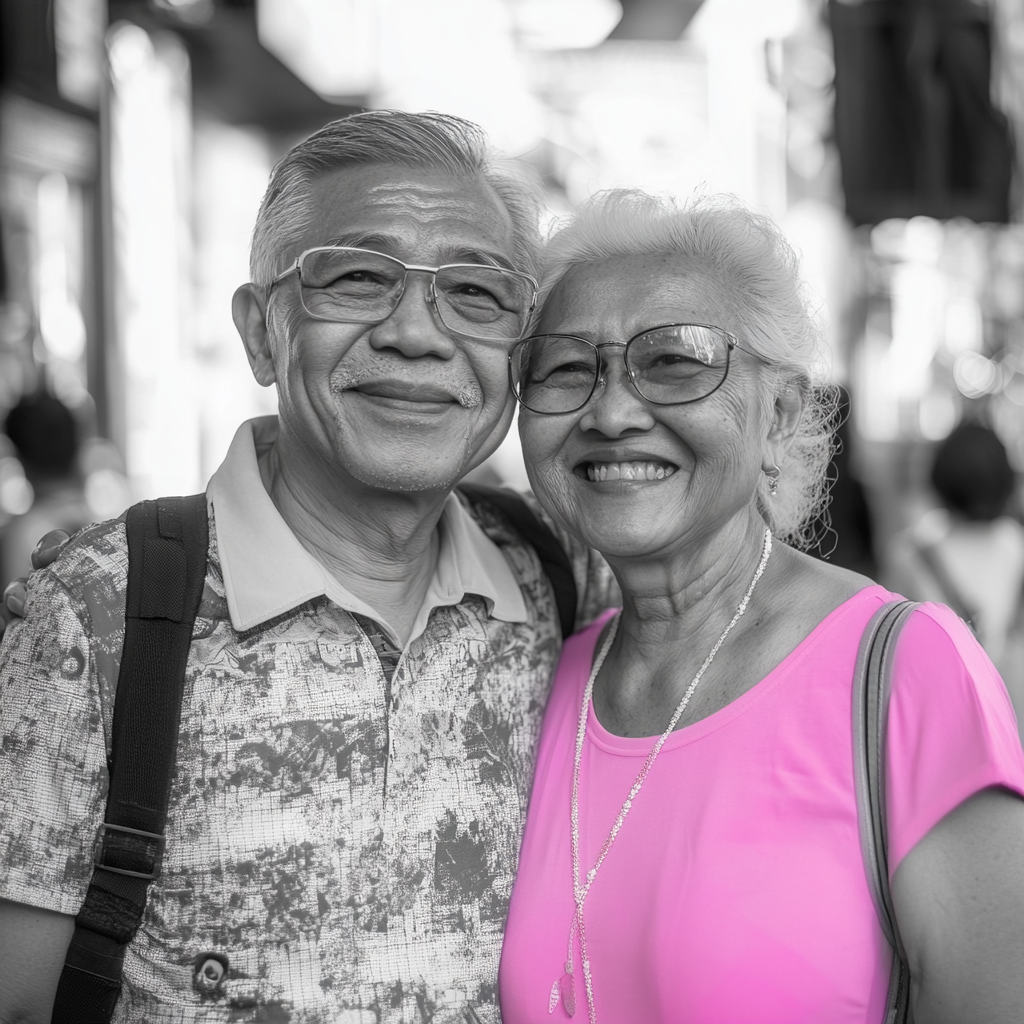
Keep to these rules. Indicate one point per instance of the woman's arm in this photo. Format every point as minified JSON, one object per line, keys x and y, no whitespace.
{"x":959,"y":901}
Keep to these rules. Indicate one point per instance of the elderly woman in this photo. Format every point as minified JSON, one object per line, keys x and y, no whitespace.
{"x":692,"y":852}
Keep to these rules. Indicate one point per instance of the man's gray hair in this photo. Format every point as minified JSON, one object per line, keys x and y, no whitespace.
{"x":748,"y":257}
{"x":430,"y":141}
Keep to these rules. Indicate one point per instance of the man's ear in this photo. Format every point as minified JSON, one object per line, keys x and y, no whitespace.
{"x":786,"y":415}
{"x":248,"y":310}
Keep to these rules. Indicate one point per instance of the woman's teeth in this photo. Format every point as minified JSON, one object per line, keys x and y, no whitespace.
{"x":600,"y":471}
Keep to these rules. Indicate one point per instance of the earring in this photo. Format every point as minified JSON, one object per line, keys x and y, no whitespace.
{"x":773,"y":475}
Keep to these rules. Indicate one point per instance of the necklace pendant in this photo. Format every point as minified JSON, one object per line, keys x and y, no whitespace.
{"x":553,"y":998}
{"x":568,"y":986}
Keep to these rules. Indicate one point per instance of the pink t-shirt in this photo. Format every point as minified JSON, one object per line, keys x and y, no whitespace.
{"x":735,"y":892}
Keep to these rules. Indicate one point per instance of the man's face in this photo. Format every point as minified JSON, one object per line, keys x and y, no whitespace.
{"x":403,"y":404}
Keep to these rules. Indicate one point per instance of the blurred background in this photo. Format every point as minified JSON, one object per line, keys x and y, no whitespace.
{"x":136,"y":137}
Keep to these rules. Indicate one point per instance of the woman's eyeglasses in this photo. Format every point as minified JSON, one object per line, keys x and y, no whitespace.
{"x":668,"y":365}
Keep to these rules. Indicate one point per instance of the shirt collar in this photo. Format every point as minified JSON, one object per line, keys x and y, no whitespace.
{"x":267,"y":572}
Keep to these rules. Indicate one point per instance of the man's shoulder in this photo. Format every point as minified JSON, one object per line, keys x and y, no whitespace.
{"x":596,"y":587}
{"x":98,"y":552}
{"x":487,"y":515}
{"x":490,"y":506}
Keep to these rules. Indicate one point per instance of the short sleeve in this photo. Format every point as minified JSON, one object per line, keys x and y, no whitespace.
{"x":951,"y":731}
{"x":53,"y":749}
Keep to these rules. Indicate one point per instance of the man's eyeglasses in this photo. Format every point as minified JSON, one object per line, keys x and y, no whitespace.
{"x":342,"y":284}
{"x":668,"y":365}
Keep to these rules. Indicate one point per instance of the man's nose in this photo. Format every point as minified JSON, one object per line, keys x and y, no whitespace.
{"x":616,"y":407}
{"x":413,"y":327}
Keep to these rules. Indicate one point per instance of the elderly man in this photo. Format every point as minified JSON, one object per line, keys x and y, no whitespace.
{"x":371,"y":654}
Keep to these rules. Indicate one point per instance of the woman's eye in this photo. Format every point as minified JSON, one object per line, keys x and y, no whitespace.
{"x":544,"y":373}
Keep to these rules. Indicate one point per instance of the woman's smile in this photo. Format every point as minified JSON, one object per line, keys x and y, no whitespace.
{"x":637,"y":472}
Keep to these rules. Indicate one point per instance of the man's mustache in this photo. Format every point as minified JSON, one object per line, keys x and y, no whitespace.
{"x":449,"y":380}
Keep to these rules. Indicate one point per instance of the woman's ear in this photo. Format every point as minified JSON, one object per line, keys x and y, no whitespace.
{"x":786,"y":415}
{"x":248,"y":310}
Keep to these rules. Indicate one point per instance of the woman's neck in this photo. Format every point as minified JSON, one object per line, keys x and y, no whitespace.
{"x":691,"y":589}
{"x":675,"y":609}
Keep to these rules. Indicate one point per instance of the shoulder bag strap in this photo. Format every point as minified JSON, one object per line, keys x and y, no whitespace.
{"x":167,"y":547}
{"x":553,"y":559}
{"x":872,"y":683}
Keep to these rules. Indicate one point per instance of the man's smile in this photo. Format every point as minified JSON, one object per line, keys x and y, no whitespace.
{"x":406,"y":391}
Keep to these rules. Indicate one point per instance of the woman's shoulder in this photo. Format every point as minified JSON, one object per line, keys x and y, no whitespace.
{"x":952,"y":730}
{"x":935,"y":633}
{"x":820,"y":580}
{"x":807,"y":592}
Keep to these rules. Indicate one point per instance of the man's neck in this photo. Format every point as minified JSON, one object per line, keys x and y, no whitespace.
{"x":381,"y":546}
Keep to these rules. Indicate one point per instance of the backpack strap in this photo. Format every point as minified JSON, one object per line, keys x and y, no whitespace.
{"x":872,"y":684}
{"x":553,"y":559}
{"x":167,"y":549}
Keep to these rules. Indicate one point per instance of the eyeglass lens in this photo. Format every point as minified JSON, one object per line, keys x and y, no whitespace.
{"x":350,"y":286}
{"x":669,"y":366}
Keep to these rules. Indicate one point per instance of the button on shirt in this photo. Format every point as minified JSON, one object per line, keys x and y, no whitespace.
{"x":345,"y":844}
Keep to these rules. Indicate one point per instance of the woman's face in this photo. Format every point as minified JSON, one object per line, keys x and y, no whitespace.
{"x":705,"y":457}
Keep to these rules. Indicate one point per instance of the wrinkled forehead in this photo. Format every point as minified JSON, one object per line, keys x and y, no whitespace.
{"x":616,"y":297}
{"x":418,"y":215}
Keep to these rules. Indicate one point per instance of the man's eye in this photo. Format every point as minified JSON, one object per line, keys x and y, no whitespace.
{"x":356,"y":279}
{"x":475,"y":293}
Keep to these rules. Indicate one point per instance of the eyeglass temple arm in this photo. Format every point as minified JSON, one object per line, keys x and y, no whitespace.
{"x":293,"y":269}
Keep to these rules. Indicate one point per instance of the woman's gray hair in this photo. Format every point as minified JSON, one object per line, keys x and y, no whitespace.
{"x":748,"y":254}
{"x":429,"y":140}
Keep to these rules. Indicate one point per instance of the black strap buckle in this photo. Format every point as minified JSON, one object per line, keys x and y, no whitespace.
{"x":132,"y":844}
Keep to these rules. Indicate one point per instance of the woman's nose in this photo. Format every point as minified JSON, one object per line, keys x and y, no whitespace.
{"x":616,"y":407}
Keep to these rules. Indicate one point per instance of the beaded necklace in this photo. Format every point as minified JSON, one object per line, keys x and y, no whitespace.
{"x":565,"y":987}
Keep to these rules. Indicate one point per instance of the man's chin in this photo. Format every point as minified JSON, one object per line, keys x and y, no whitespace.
{"x":420,"y":462}
{"x":407,"y":477}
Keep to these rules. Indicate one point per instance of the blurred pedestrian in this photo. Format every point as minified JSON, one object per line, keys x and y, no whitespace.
{"x":45,"y":436}
{"x":968,"y":552}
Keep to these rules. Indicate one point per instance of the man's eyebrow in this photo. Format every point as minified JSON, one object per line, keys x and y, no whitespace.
{"x":495,"y":259}
{"x":360,"y":241}
{"x":381,"y":243}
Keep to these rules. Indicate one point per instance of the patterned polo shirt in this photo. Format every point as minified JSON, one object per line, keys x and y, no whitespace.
{"x":343,"y":841}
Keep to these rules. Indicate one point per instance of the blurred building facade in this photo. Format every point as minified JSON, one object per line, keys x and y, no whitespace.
{"x":136,"y":137}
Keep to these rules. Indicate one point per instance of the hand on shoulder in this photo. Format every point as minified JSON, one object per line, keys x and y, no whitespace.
{"x":12,"y":604}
